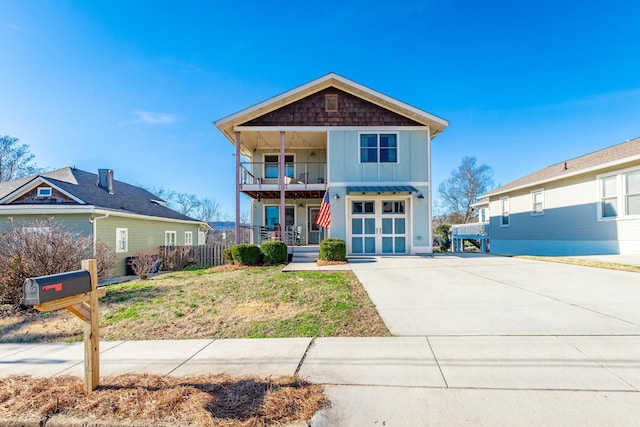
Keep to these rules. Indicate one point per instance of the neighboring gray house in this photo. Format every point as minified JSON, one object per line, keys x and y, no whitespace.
{"x":586,"y":205}
{"x":370,"y":152}
{"x":126,"y":217}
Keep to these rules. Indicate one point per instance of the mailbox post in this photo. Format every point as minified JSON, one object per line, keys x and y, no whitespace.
{"x":78,"y":292}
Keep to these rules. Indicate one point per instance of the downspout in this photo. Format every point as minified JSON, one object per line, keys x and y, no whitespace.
{"x":95,"y":237}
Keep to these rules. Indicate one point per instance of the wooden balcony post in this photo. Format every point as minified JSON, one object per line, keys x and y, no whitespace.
{"x":237,"y":225}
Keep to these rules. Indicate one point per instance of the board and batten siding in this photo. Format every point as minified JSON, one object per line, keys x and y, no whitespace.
{"x":344,"y":166}
{"x":569,"y":224}
{"x":142,"y":234}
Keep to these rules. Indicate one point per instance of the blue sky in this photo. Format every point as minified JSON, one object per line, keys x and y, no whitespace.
{"x":135,"y":85}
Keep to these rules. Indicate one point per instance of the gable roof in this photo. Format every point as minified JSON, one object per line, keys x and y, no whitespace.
{"x":228,"y":124}
{"x":611,"y":156}
{"x":83,"y":188}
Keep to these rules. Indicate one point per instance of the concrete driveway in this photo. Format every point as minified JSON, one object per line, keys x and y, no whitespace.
{"x":490,"y":295}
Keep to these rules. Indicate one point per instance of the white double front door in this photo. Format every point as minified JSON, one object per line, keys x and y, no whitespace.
{"x":378,"y":226}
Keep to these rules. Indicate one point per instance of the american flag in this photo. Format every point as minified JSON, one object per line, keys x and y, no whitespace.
{"x":324,"y":217}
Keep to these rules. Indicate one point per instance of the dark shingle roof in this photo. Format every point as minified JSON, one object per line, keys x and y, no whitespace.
{"x":83,"y":185}
{"x":575,"y":166}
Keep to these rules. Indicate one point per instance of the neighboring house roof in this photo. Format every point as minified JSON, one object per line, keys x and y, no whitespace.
{"x":608,"y":157}
{"x":228,"y":124}
{"x":82,"y":187}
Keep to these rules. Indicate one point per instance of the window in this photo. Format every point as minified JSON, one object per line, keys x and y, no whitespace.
{"x":483,"y":214}
{"x":122,"y":239}
{"x":362,"y":208}
{"x":632,"y":193}
{"x":202,"y":238}
{"x":188,"y":238}
{"x":537,"y":202}
{"x":44,"y":192}
{"x":271,"y":162}
{"x":393,"y":207}
{"x":169,"y":238}
{"x":609,"y":198}
{"x":504,"y":209}
{"x":272,"y":216}
{"x":378,"y":148}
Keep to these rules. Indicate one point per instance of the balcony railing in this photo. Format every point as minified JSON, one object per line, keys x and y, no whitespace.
{"x":475,"y":229}
{"x":302,"y":173}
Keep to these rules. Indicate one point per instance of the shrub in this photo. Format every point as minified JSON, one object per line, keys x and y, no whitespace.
{"x":43,"y":247}
{"x":246,"y":254}
{"x":145,"y":262}
{"x":275,"y":252}
{"x":332,"y":249}
{"x":176,"y":257}
{"x":443,"y":236}
{"x":228,"y":256}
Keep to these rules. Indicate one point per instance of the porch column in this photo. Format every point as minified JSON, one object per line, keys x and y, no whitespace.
{"x":237,"y":226}
{"x":282,"y":191}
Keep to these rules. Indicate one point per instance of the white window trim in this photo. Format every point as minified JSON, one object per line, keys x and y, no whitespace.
{"x":264,"y":163}
{"x":623,"y":190}
{"x":202,"y":238}
{"x":533,"y":211}
{"x":49,"y":189}
{"x":175,"y":237}
{"x":396,"y":133}
{"x":188,"y":242}
{"x":619,"y":183}
{"x":125,"y":247}
{"x":508,"y":212}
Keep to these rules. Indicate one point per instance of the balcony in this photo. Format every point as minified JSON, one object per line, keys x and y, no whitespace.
{"x":302,"y":180}
{"x":470,"y":231}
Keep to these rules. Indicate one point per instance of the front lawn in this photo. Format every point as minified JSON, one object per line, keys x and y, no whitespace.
{"x":216,"y":303}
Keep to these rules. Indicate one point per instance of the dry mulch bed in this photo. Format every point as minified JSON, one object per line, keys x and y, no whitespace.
{"x":213,"y":400}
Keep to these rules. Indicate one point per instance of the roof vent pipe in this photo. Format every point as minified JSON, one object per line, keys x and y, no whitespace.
{"x":105,"y":179}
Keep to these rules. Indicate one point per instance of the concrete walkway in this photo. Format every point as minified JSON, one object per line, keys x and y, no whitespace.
{"x":485,"y":341}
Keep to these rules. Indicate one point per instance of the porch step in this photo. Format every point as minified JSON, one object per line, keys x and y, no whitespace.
{"x":305,"y":254}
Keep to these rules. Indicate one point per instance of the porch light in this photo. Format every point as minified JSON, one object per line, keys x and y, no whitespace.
{"x":336,"y":196}
{"x":420,"y":196}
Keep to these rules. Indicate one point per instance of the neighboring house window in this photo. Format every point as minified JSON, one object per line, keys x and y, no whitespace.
{"x":169,"y":238}
{"x":537,"y":202}
{"x":188,"y":238}
{"x":122,"y":239}
{"x":44,"y":192}
{"x":271,"y":162}
{"x":504,"y":209}
{"x":378,"y":148}
{"x":609,"y":199}
{"x":272,"y":216}
{"x":202,"y":238}
{"x":483,"y":215}
{"x":632,"y":193}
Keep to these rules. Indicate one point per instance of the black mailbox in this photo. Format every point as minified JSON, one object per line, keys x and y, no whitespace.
{"x":49,"y":288}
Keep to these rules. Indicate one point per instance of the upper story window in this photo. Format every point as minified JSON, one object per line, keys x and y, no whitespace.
{"x":271,"y":165}
{"x":379,"y":148}
{"x":44,"y":192}
{"x":504,"y":211}
{"x":483,"y":215}
{"x":537,"y":202}
{"x":632,"y":193}
{"x":609,"y":196}
{"x":331,"y":103}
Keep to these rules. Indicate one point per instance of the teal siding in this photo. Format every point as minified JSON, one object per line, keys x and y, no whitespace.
{"x":344,"y":163}
{"x":421,"y":224}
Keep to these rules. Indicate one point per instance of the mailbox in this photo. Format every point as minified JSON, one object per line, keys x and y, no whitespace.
{"x":49,"y":288}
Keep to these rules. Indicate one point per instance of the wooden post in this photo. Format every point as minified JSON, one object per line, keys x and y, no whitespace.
{"x":91,"y":332}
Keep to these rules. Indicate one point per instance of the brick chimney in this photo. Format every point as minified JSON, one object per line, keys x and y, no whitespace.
{"x":105,"y":180}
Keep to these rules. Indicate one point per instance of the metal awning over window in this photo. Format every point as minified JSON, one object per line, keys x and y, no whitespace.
{"x":381,"y":189}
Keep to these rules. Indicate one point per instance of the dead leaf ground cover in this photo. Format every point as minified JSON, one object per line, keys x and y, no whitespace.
{"x":217,"y":400}
{"x":215,"y":303}
{"x":586,"y":263}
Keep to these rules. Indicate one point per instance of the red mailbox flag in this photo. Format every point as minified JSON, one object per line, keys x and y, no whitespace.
{"x":324,"y":217}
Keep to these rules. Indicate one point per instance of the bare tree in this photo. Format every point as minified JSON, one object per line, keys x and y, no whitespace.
{"x":463,"y":187}
{"x":208,"y":210}
{"x":186,"y":203}
{"x":16,"y":161}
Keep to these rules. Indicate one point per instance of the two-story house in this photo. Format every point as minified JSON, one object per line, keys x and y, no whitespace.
{"x":370,"y":152}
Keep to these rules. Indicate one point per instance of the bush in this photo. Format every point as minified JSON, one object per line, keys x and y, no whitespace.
{"x":176,"y":257}
{"x":332,"y":249}
{"x":228,"y":256}
{"x":443,"y":236}
{"x":41,"y":248}
{"x":246,"y":254}
{"x":275,"y":252}
{"x":145,"y":262}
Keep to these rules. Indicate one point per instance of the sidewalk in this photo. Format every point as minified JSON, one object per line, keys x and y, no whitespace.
{"x":398,"y":381}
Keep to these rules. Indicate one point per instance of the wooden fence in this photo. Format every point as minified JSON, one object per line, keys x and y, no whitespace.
{"x":177,"y":257}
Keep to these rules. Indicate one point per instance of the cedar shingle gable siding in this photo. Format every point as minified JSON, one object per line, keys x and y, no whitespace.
{"x":352,"y":111}
{"x":32,"y":198}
